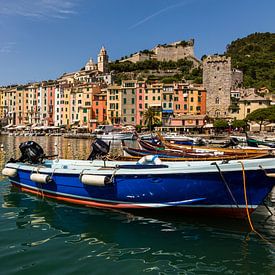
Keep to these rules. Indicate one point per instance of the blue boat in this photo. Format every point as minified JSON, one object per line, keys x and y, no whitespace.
{"x":224,"y":187}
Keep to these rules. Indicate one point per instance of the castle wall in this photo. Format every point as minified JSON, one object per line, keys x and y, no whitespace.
{"x":173,"y":53}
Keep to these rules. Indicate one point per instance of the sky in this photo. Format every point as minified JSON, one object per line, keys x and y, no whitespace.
{"x":42,"y":39}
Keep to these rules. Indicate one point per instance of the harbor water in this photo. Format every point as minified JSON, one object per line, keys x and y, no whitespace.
{"x":40,"y":236}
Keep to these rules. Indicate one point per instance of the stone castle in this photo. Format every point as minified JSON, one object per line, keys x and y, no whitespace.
{"x":174,"y":52}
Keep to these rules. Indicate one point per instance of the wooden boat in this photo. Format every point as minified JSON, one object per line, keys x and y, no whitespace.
{"x":188,"y":156}
{"x":200,"y":187}
{"x":226,"y":150}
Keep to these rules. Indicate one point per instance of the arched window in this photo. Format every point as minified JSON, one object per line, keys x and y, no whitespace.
{"x":217,"y":100}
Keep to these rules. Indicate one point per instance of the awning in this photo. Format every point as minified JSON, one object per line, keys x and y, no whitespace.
{"x":83,"y":127}
{"x":20,"y":127}
{"x":8,"y":126}
{"x":208,"y":125}
{"x":167,"y":111}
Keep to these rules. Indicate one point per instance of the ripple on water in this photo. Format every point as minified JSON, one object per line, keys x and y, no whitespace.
{"x":45,"y":236}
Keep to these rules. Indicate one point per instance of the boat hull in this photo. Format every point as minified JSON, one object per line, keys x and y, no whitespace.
{"x":197,"y":191}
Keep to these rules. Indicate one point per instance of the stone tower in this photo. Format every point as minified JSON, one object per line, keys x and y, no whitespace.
{"x":217,"y":80}
{"x":102,"y":61}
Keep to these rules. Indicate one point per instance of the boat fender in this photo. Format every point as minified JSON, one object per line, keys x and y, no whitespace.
{"x":95,"y":180}
{"x":149,"y":159}
{"x":9,"y":172}
{"x":41,"y":178}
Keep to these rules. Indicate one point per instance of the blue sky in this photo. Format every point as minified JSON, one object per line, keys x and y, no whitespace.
{"x":42,"y":39}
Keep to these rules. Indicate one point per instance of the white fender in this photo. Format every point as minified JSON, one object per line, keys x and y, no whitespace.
{"x":94,"y":180}
{"x":9,"y":172}
{"x":40,"y":178}
{"x":149,"y":159}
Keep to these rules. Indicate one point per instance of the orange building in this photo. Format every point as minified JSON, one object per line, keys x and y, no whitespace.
{"x":99,"y":108}
{"x":189,"y":99}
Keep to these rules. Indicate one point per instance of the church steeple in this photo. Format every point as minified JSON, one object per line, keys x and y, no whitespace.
{"x":102,"y":61}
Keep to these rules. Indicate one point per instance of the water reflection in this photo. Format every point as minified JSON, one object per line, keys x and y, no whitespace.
{"x":127,"y":243}
{"x":186,"y":245}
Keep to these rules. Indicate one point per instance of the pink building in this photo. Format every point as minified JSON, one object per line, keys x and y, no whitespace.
{"x":140,"y":105}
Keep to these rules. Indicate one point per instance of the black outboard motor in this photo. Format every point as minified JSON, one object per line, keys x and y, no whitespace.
{"x":99,"y":149}
{"x":31,"y":152}
{"x":231,"y":143}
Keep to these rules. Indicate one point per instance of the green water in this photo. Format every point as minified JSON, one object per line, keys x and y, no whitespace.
{"x":45,"y":237}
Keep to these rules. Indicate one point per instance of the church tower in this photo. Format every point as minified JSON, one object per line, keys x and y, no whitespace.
{"x":90,"y":65}
{"x":102,"y":61}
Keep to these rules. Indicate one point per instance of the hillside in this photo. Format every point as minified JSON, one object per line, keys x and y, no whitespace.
{"x":255,"y":56}
{"x":151,"y":70}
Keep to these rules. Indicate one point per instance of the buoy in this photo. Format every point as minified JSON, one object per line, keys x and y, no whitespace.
{"x":94,"y":180}
{"x":149,"y":159}
{"x":40,"y":178}
{"x":9,"y":172}
{"x":55,"y":144}
{"x":2,"y":145}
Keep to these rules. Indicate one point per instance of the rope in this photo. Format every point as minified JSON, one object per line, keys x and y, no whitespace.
{"x":226,"y":185}
{"x":246,"y":206}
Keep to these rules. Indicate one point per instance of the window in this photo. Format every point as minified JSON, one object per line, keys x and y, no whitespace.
{"x":140,"y":106}
{"x":217,"y":101}
{"x":140,"y":97}
{"x":248,"y":110}
{"x":124,"y":101}
{"x":133,"y":101}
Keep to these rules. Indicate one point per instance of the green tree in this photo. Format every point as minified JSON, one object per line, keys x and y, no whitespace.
{"x":220,"y":125}
{"x":238,"y":124}
{"x":255,"y":56}
{"x":263,"y":115}
{"x":150,"y":118}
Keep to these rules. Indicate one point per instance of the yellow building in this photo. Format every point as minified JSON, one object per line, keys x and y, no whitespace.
{"x":153,"y":98}
{"x":249,"y":103}
{"x":114,"y":106}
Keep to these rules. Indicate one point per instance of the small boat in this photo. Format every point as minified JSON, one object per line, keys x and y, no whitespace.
{"x":234,"y":150}
{"x":198,"y":187}
{"x":109,"y":132}
{"x":116,"y":136}
{"x":184,"y":140}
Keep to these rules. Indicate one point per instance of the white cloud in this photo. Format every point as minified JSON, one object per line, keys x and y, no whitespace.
{"x":142,"y":21}
{"x":39,"y":8}
{"x":7,"y":47}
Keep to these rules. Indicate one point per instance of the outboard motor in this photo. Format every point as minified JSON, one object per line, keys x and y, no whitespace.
{"x":31,"y":152}
{"x":231,"y":143}
{"x":99,"y":149}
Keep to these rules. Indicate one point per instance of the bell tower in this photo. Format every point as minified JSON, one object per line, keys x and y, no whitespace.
{"x":102,"y":61}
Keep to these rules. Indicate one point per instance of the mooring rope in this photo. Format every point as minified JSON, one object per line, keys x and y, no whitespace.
{"x":246,"y":206}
